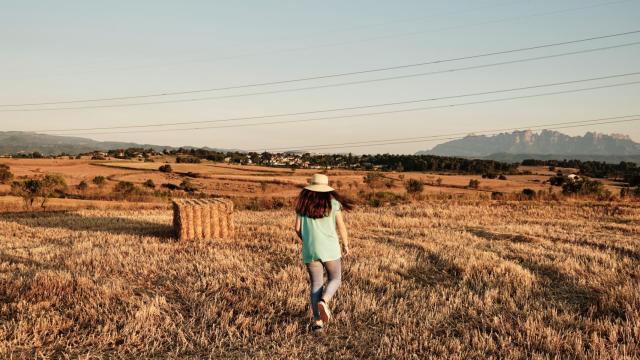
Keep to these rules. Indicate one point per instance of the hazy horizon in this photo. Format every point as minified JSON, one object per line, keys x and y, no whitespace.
{"x":77,"y":50}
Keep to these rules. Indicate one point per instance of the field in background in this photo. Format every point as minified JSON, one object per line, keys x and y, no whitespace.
{"x":260,"y":182}
{"x":456,"y":279}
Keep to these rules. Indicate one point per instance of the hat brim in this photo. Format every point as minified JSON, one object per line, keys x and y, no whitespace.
{"x":319,"y":188}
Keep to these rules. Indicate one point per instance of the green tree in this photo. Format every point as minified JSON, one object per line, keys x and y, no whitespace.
{"x":28,"y":190}
{"x":44,"y":188}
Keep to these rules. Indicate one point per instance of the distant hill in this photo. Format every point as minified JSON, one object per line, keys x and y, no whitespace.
{"x":545,"y":145}
{"x":14,"y":142}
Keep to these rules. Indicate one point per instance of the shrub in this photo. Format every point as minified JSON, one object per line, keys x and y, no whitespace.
{"x":502,"y":177}
{"x":192,"y":175}
{"x":557,"y":180}
{"x":171,"y":186}
{"x":188,"y":186}
{"x":149,"y":184}
{"x":584,"y":186}
{"x":82,"y":186}
{"x":165,"y":168}
{"x":497,"y":195}
{"x":373,"y":179}
{"x":414,"y":186}
{"x":529,"y":193}
{"x":489,"y":175}
{"x":124,"y":188}
{"x":5,"y":174}
{"x":99,"y":181}
{"x":374,"y":202}
{"x":473,"y":184}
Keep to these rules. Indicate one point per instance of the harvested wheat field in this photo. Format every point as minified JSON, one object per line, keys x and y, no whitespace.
{"x":432,"y":280}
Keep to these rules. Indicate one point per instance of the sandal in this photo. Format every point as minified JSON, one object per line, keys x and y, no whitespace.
{"x":325,"y":312}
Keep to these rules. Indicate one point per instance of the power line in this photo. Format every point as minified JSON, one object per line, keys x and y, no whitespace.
{"x":473,"y":67}
{"x":561,"y":125}
{"x":383,"y":37}
{"x":353,"y":107}
{"x":364,"y":114}
{"x":316,"y":77}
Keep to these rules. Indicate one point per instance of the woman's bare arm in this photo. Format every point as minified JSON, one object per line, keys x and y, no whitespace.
{"x":298,"y":227}
{"x":342,"y":230}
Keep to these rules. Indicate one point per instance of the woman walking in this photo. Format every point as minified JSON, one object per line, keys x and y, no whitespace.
{"x":318,"y":222}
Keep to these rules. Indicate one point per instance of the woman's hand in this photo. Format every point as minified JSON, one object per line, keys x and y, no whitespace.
{"x":345,"y":250}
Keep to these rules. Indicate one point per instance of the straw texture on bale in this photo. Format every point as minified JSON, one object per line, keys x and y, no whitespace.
{"x":195,"y":219}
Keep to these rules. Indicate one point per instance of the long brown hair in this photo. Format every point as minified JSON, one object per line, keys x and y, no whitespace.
{"x":315,"y":204}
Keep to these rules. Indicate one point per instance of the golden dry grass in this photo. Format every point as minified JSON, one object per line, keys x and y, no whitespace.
{"x":247,"y":181}
{"x":459,"y":279}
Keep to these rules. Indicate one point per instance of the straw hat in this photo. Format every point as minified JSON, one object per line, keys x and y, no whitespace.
{"x":319,"y":183}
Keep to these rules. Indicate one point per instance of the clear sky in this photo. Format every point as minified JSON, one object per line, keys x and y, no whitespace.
{"x":70,"y":50}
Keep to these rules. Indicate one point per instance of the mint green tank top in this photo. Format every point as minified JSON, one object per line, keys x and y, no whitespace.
{"x":319,"y":236}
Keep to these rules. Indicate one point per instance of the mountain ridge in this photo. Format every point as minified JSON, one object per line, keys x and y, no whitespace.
{"x":543,"y":144}
{"x":15,"y":142}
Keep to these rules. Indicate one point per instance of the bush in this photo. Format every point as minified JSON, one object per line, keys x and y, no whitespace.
{"x":82,"y":186}
{"x":414,"y":186}
{"x":502,"y":177}
{"x":473,"y":184}
{"x":584,"y":186}
{"x":557,"y":180}
{"x":382,"y":198}
{"x":124,"y":188}
{"x":192,"y":175}
{"x":497,"y":195}
{"x":99,"y":181}
{"x":165,"y":168}
{"x":374,"y":202}
{"x":5,"y":174}
{"x":489,"y":175}
{"x":149,"y":184}
{"x":171,"y":186}
{"x":373,"y":179}
{"x":188,"y":186}
{"x":529,"y":193}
